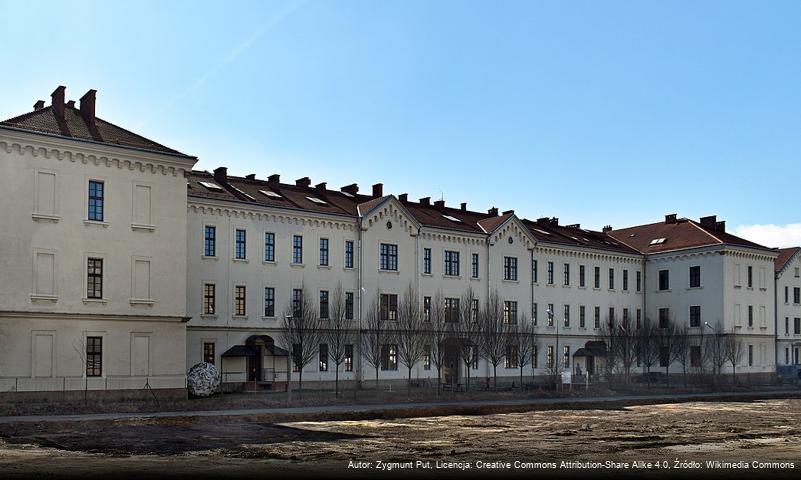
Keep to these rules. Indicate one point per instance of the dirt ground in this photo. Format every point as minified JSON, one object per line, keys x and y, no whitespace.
{"x":759,"y":431}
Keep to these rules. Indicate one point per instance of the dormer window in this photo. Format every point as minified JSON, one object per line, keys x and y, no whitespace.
{"x":211,"y":186}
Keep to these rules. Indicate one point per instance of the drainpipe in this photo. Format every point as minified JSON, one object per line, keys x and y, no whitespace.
{"x":776,"y":324}
{"x":359,"y":369}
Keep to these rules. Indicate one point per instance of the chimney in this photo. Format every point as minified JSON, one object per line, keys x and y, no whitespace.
{"x":274,"y":179}
{"x":221,"y":174}
{"x":493,"y":211}
{"x":720,"y":227}
{"x":463,"y":206}
{"x":403,"y":197}
{"x":378,"y":190}
{"x":607,"y":228}
{"x":303,"y":182}
{"x":58,"y":100}
{"x":709,"y":222}
{"x":576,"y":226}
{"x":555,"y":221}
{"x":509,"y":212}
{"x":353,"y":189}
{"x":38,"y":105}
{"x":440,"y":204}
{"x":544,"y":221}
{"x":320,"y":187}
{"x":670,"y":218}
{"x":71,"y":104}
{"x":251,"y":176}
{"x":88,"y":106}
{"x":426,"y":201}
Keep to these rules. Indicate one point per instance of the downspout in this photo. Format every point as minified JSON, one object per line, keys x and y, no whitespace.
{"x":776,"y":324}
{"x":359,"y":369}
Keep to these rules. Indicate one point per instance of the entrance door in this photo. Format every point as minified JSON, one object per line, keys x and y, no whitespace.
{"x":254,"y":366}
{"x":590,"y":365}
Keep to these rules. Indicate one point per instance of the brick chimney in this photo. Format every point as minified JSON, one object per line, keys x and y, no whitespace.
{"x":303,"y":182}
{"x":425,"y":201}
{"x":554,"y":221}
{"x":70,"y":104}
{"x":38,"y":105}
{"x":607,"y":228}
{"x":493,"y":211}
{"x":463,"y":206}
{"x":720,"y":226}
{"x":509,"y":212}
{"x":576,"y":226}
{"x":221,"y":174}
{"x":440,"y":204}
{"x":403,"y":197}
{"x":670,"y":218}
{"x":88,"y":106}
{"x":58,"y":100}
{"x":251,"y":176}
{"x":709,"y":222}
{"x":378,"y":190}
{"x":274,"y":179}
{"x":353,"y":189}
{"x":320,"y":187}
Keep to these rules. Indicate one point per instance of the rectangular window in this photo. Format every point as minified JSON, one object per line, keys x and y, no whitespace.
{"x":239,"y":300}
{"x":323,"y":357}
{"x":210,"y":241}
{"x":534,"y":363}
{"x":664,"y":280}
{"x":510,"y":359}
{"x":348,"y":358}
{"x":209,"y":299}
{"x":639,"y":319}
{"x":549,"y":357}
{"x":426,"y":309}
{"x":510,"y":312}
{"x":427,"y":261}
{"x":797,"y":326}
{"x":534,"y":270}
{"x":241,"y":244}
{"x":427,"y":357}
{"x":567,"y":316}
{"x":582,"y":316}
{"x":474,"y":265}
{"x":786,"y":294}
{"x":664,"y":356}
{"x":566,"y":356}
{"x":796,"y":295}
{"x":269,"y":301}
{"x":611,"y":279}
{"x":452,"y":310}
{"x":510,"y":268}
{"x":695,"y":316}
{"x":389,"y":306}
{"x":348,"y":253}
{"x":94,"y":284}
{"x":389,"y":257}
{"x":787,"y":325}
{"x":208,"y":352}
{"x":451,"y":263}
{"x":348,"y":305}
{"x":695,"y":276}
{"x":611,"y":317}
{"x":582,"y":280}
{"x":750,"y":353}
{"x":639,"y":281}
{"x":96,"y":200}
{"x":473,"y":357}
{"x":750,"y":276}
{"x":323,"y":252}
{"x":567,"y":274}
{"x":269,"y":247}
{"x":626,"y":317}
{"x":550,"y":273}
{"x":295,"y":356}
{"x":473,"y":310}
{"x":550,"y":313}
{"x":664,"y":317}
{"x":534,"y":313}
{"x":750,"y":315}
{"x":625,"y":280}
{"x":297,"y":302}
{"x":94,"y":356}
{"x":389,"y":357}
{"x":297,"y":249}
{"x":597,"y":279}
{"x":324,"y":304}
{"x":597,"y":319}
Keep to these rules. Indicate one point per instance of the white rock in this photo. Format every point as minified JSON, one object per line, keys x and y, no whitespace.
{"x":203,"y":379}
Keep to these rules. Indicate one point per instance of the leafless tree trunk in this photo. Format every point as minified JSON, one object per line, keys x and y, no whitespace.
{"x":302,"y":334}
{"x":681,"y":349}
{"x":79,"y":346}
{"x":437,"y":332}
{"x":522,"y":337}
{"x":626,"y":347}
{"x":648,"y":347}
{"x":733,"y":349}
{"x":667,"y":337}
{"x":494,"y":332}
{"x":609,"y":334}
{"x":714,"y":349}
{"x":409,"y":332}
{"x":338,"y":332}
{"x":469,"y":329}
{"x":374,"y":335}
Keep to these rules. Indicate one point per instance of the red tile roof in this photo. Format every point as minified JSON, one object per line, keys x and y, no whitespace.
{"x":676,"y":235}
{"x":75,"y":126}
{"x":785,"y":254}
{"x":549,"y":231}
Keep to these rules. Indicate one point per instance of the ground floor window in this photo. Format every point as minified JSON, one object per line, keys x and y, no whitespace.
{"x":208,"y":352}
{"x":510,"y":359}
{"x":348,"y":358}
{"x":389,"y":357}
{"x":534,"y":357}
{"x":295,"y":356}
{"x":427,"y":357}
{"x":323,"y":357}
{"x":94,"y":356}
{"x":566,"y":356}
{"x":664,"y":356}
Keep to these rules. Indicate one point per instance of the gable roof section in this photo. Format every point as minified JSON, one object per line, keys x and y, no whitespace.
{"x":549,"y":231}
{"x":680,"y":234}
{"x":785,"y":255}
{"x":74,"y":126}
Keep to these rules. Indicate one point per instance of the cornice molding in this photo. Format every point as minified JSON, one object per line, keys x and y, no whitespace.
{"x":275,"y":216}
{"x":563,"y":250}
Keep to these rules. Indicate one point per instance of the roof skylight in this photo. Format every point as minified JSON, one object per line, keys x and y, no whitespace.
{"x":657,"y":241}
{"x":269,"y":193}
{"x":243,"y":193}
{"x":317,"y":200}
{"x":542,"y":231}
{"x":452,"y":219}
{"x":211,"y":186}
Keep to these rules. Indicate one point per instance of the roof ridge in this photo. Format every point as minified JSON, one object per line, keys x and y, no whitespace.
{"x":705,"y":231}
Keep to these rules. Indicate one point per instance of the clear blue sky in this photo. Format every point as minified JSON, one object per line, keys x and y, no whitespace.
{"x":594,"y":112}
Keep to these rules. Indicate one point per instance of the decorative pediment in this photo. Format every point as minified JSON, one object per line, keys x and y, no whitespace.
{"x":388,"y":209}
{"x":512,"y":228}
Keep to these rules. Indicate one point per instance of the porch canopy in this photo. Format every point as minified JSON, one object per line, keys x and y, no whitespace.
{"x":591,"y":349}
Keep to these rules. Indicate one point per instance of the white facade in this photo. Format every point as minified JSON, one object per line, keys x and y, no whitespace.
{"x":788,"y":313}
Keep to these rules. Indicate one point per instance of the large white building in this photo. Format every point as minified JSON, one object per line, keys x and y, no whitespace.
{"x":788,"y":307}
{"x":121,"y":266}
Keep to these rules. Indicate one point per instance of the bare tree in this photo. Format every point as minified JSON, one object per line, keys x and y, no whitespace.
{"x":733,"y":349}
{"x":409,"y":334}
{"x":302,"y":334}
{"x":338,"y":332}
{"x":79,"y":345}
{"x":469,"y":329}
{"x":374,"y":336}
{"x":494,"y":329}
{"x":626,"y":347}
{"x":648,"y":347}
{"x":521,"y":336}
{"x":609,"y":333}
{"x":667,"y":353}
{"x":682,"y":346}
{"x":714,"y":348}
{"x":437,"y":332}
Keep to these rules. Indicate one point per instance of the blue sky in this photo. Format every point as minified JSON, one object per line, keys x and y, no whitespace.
{"x":594,"y":112}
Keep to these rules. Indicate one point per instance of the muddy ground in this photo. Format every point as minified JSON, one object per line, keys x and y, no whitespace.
{"x":762,"y":431}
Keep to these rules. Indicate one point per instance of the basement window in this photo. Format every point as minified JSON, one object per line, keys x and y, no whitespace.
{"x":211,"y":186}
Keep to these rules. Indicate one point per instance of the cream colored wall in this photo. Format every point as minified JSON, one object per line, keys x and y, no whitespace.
{"x":788,"y":342}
